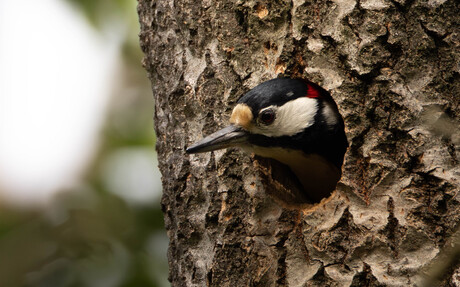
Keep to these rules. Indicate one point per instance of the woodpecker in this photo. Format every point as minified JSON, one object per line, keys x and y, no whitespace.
{"x":293,"y":121}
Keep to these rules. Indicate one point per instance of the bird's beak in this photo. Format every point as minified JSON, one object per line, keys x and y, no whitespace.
{"x":224,"y":138}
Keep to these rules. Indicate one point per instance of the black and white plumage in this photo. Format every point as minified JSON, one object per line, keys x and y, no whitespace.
{"x":293,"y":121}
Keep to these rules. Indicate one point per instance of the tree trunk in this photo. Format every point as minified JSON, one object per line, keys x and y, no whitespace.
{"x":393,"y":68}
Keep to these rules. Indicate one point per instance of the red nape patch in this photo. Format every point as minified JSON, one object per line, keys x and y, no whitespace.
{"x":312,"y":92}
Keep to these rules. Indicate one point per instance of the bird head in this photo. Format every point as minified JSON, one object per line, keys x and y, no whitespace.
{"x":293,"y":121}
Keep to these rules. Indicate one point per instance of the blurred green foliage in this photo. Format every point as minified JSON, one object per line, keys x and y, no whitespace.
{"x":105,"y":15}
{"x":89,"y":236}
{"x":98,"y":12}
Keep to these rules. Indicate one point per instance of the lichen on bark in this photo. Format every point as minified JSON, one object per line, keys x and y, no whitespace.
{"x":393,"y":68}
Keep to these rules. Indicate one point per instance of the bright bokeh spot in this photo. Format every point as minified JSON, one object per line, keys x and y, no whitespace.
{"x":54,"y":88}
{"x":132,"y":174}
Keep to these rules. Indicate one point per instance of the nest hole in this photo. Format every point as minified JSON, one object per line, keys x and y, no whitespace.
{"x":284,"y":187}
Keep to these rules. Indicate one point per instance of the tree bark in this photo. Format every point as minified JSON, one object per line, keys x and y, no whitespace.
{"x":393,"y":68}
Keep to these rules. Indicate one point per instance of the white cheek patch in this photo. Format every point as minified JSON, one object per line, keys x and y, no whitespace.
{"x":291,"y":118}
{"x":329,"y":114}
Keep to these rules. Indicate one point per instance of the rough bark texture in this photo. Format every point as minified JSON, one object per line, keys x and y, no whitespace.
{"x":393,"y":68}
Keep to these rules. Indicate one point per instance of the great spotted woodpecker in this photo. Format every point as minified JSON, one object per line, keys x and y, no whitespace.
{"x":293,"y":121}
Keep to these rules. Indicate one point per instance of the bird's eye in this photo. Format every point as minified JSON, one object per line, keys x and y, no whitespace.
{"x":267,"y":116}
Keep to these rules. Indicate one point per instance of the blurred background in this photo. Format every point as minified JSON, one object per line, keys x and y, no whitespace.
{"x":79,"y":185}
